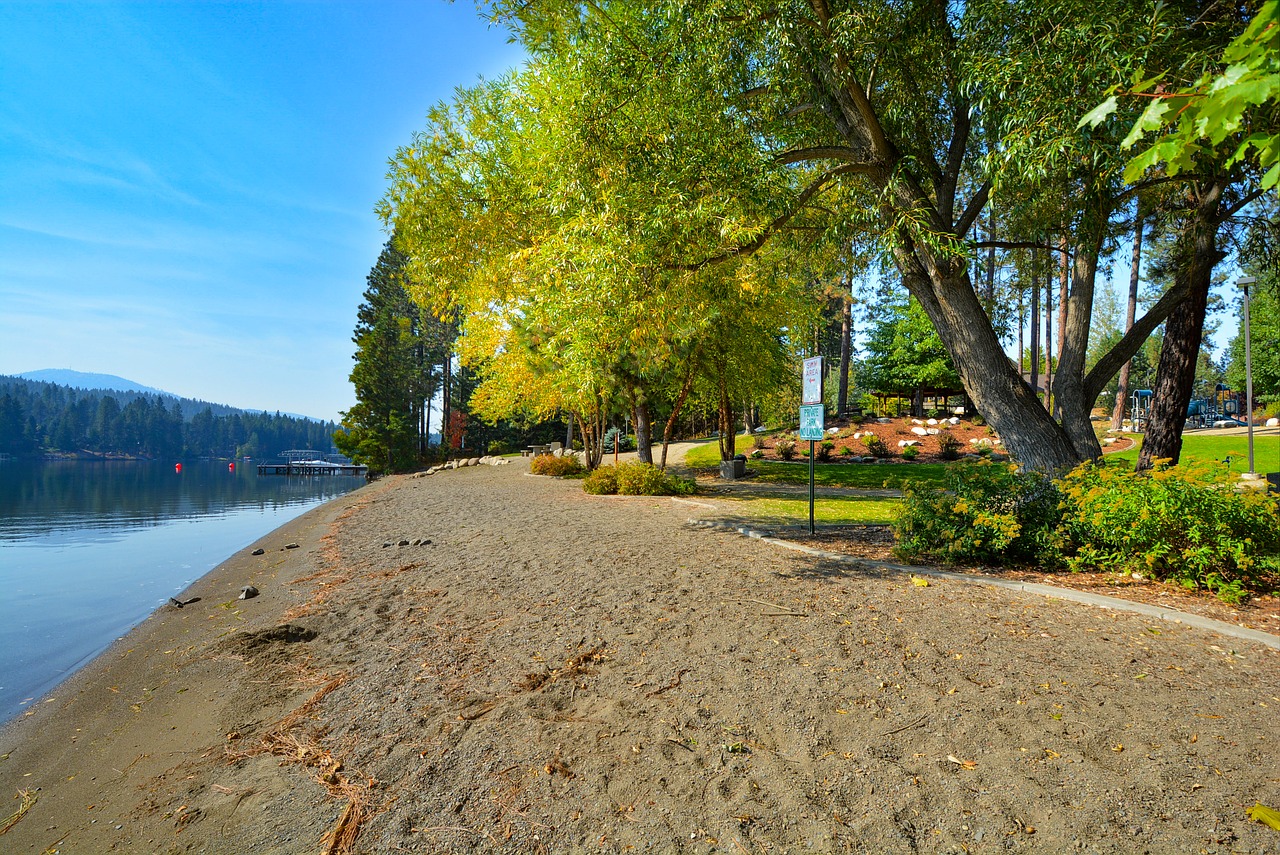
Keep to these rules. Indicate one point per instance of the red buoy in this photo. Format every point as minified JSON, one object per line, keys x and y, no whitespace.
{"x":177,"y":467}
{"x":231,"y":466}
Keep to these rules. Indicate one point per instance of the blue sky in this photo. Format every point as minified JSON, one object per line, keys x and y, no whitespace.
{"x":186,"y":189}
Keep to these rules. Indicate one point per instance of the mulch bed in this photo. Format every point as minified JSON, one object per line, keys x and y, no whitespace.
{"x":851,"y":440}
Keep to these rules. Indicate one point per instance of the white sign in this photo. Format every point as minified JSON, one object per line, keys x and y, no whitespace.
{"x":811,"y":422}
{"x":812,"y":381}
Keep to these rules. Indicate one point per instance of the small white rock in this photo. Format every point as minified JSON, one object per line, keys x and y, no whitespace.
{"x":919,"y":431}
{"x":931,"y":421}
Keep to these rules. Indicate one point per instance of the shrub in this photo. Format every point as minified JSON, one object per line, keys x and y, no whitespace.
{"x":978,"y":419}
{"x":601,"y":482}
{"x":824,"y":450}
{"x":786,"y":449}
{"x":624,"y":441}
{"x":1173,"y":524}
{"x":757,"y":454}
{"x":875,"y":445}
{"x":846,"y":450}
{"x":758,"y":441}
{"x":910,"y":452}
{"x":988,"y":513}
{"x":498,"y":448}
{"x":645,"y":479}
{"x":948,"y":446}
{"x":549,"y":464}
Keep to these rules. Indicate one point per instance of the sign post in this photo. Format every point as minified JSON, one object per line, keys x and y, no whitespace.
{"x":812,"y":419}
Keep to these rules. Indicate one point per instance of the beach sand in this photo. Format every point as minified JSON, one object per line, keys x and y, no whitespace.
{"x":559,"y":672}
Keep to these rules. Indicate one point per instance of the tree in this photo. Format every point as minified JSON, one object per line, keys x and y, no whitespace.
{"x":779,"y":108}
{"x":1239,"y":104}
{"x":1264,"y":323}
{"x":394,"y":375}
{"x":905,"y":353}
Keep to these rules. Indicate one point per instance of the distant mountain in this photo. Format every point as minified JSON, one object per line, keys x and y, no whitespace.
{"x":84,"y":380}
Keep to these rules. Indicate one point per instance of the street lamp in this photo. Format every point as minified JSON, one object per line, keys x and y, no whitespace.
{"x":1243,"y":284}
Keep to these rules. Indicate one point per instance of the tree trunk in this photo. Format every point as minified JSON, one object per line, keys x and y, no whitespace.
{"x":1196,"y":256}
{"x":728,"y":435}
{"x":991,"y":380}
{"x":846,"y":332}
{"x":1073,"y":401}
{"x":1035,"y":332}
{"x":445,"y":409}
{"x":644,"y":432}
{"x":675,"y":409}
{"x":1122,"y":391}
{"x":1048,"y":342}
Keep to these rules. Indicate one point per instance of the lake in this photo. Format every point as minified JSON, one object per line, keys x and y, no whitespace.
{"x":89,"y":549}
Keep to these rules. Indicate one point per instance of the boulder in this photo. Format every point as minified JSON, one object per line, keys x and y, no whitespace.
{"x":953,"y":420}
{"x":931,"y":421}
{"x":919,"y":431}
{"x":1273,"y":422}
{"x":932,"y":431}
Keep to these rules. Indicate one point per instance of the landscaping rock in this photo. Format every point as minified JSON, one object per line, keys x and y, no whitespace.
{"x":1273,"y":422}
{"x":919,"y":431}
{"x":932,"y":431}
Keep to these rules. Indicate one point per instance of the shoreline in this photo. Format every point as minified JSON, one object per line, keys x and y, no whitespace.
{"x":108,"y":707}
{"x":87,"y":579}
{"x":537,"y":669}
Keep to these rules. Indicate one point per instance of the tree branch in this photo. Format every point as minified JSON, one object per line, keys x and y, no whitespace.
{"x":1128,"y":345}
{"x":820,"y":152}
{"x":974,"y":209}
{"x":759,"y":240}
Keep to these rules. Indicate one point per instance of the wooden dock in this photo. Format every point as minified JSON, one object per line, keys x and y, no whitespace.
{"x":303,"y":467}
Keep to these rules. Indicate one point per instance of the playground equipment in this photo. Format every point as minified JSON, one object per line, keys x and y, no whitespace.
{"x":1140,"y":408}
{"x":1224,"y":405}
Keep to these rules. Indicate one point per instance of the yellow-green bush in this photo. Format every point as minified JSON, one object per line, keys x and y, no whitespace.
{"x":549,"y":464}
{"x":1173,"y":523}
{"x":987,"y":512}
{"x":636,"y":479}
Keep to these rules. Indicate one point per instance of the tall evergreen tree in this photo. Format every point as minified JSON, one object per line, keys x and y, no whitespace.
{"x":399,"y":349}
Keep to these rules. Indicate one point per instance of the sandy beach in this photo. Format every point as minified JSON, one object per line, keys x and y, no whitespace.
{"x":486,"y":661}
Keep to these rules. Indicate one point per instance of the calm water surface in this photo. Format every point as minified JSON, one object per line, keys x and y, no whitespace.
{"x":88,"y":550}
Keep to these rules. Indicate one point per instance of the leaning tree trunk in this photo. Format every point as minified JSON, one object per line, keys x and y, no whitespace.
{"x":1196,"y":256}
{"x":991,"y":380}
{"x":675,"y":409}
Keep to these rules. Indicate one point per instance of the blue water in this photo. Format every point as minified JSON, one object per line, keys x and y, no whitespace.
{"x":88,"y":550}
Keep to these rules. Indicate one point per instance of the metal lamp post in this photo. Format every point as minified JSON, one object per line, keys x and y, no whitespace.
{"x":1243,"y":284}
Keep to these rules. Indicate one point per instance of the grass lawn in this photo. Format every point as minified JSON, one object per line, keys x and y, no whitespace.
{"x":862,"y":475}
{"x":829,"y":510}
{"x":1207,"y":448}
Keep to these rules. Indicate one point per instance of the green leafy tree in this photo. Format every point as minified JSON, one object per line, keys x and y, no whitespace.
{"x":1237,"y":102}
{"x":905,"y":353}
{"x":1264,"y":323}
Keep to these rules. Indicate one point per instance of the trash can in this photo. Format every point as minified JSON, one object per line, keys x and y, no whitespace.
{"x":731,"y":470}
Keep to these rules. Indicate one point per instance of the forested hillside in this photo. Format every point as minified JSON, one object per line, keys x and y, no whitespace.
{"x":37,"y":418}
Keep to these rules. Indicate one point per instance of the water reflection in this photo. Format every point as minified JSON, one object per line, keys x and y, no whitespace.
{"x":38,"y":500}
{"x":87,"y":550}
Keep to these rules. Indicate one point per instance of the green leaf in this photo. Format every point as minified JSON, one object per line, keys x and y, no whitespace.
{"x":1151,"y":119}
{"x":1098,"y":114}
